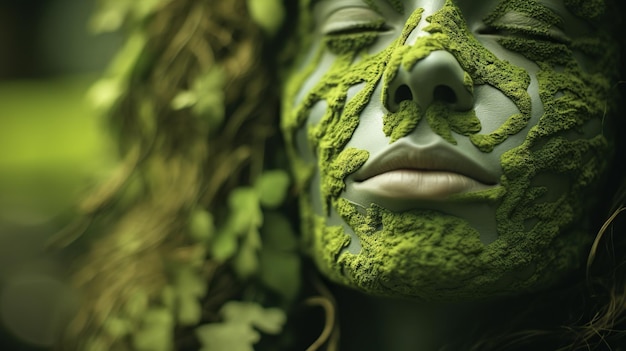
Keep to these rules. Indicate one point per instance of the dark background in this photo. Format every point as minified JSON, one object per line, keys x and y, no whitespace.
{"x":49,"y":58}
{"x":43,"y":38}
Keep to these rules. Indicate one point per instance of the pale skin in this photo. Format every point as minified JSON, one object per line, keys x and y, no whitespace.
{"x":423,"y":167}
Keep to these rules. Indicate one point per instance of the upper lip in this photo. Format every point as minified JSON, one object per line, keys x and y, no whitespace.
{"x":438,"y":157}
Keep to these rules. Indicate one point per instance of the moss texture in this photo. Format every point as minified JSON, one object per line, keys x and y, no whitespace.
{"x":429,"y":254}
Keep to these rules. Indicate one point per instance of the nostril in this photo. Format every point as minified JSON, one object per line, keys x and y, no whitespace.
{"x":403,"y":93}
{"x":444,"y":94}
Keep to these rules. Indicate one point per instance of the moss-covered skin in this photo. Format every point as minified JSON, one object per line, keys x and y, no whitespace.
{"x":551,"y":149}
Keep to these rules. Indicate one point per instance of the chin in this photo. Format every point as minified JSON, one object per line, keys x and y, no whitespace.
{"x":429,"y":255}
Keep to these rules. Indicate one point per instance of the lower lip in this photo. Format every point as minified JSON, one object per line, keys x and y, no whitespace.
{"x":418,"y":184}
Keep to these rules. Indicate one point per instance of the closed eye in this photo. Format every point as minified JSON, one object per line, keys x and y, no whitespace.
{"x":515,"y":24}
{"x":353,"y":20}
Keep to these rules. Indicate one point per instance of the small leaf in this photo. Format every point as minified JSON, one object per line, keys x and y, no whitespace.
{"x":237,"y":331}
{"x":145,"y":8}
{"x":157,"y":331}
{"x":117,"y":327}
{"x":189,"y":311}
{"x":209,"y":91}
{"x":105,"y":92}
{"x":112,"y":14}
{"x":272,"y":188}
{"x":247,"y":259}
{"x":184,"y":99}
{"x":277,"y":233}
{"x":201,"y":226}
{"x":231,"y":337}
{"x":271,"y":321}
{"x":137,"y":304}
{"x":245,"y":218}
{"x":225,"y":245}
{"x":168,"y":297}
{"x":245,"y":210}
{"x":268,"y":320}
{"x":189,"y":288}
{"x":190,"y":282}
{"x":109,"y":19}
{"x":269,"y":14}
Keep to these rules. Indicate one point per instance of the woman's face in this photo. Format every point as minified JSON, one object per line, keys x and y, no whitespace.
{"x":447,"y":148}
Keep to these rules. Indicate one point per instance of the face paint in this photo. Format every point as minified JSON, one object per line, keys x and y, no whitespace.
{"x":447,"y":149}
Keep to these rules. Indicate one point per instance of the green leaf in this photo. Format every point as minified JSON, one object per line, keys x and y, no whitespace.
{"x":117,"y":327}
{"x":112,"y":13}
{"x":106,"y":92}
{"x":277,"y":233}
{"x":245,"y":210}
{"x":145,"y":8}
{"x":110,"y":16}
{"x":269,"y":14}
{"x":237,"y":332}
{"x":189,"y":288}
{"x":268,"y":320}
{"x":247,"y":259}
{"x":225,"y":245}
{"x":231,"y":337}
{"x":189,"y":311}
{"x":279,"y":262}
{"x":184,"y":99}
{"x":272,"y":188}
{"x":201,"y":227}
{"x":205,"y":98}
{"x":157,"y":331}
{"x":137,"y":304}
{"x":244,"y":220}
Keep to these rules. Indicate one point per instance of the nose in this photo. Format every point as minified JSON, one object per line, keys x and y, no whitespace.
{"x":437,"y":77}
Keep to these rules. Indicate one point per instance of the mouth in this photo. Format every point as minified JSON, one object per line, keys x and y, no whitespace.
{"x":435,"y":172}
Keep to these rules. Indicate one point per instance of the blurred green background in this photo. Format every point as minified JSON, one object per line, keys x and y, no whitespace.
{"x":53,"y":147}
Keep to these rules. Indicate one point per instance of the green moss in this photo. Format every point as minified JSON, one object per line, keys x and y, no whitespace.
{"x":348,"y":161}
{"x":412,"y":254}
{"x":443,"y":120}
{"x":398,"y":124}
{"x":396,"y":51}
{"x":436,"y":115}
{"x":326,"y":246}
{"x":483,"y":67}
{"x":486,"y":142}
{"x":430,"y":254}
{"x":464,"y":122}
